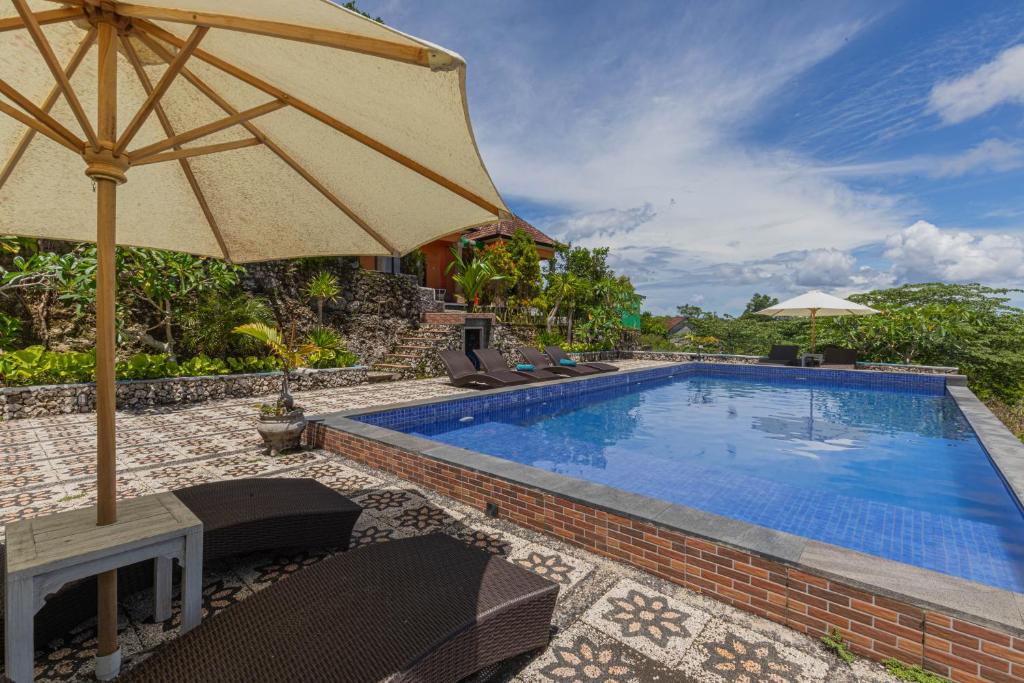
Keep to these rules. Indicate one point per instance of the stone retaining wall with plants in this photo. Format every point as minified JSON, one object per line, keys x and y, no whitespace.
{"x":60,"y":399}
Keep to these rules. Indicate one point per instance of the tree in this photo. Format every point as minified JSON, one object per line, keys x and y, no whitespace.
{"x":323,"y":287}
{"x":757,"y":303}
{"x":523,"y":251}
{"x":162,"y":280}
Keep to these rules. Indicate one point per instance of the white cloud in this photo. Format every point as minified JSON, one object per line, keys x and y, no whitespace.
{"x":992,"y":155}
{"x":925,"y":252}
{"x":604,"y":223}
{"x":999,"y":81}
{"x":824,"y":268}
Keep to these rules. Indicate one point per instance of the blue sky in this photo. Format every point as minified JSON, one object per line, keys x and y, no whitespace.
{"x":725,"y":148}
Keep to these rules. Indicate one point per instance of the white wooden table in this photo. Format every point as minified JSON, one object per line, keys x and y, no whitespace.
{"x":44,"y":553}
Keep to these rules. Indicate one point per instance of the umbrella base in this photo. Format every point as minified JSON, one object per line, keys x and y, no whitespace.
{"x":108,"y":666}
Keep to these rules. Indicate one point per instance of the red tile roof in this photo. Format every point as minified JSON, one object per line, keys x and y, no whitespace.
{"x":507,"y":228}
{"x":673,"y":323}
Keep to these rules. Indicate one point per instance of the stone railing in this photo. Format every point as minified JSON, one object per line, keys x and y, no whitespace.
{"x":61,"y":399}
{"x":680,"y":356}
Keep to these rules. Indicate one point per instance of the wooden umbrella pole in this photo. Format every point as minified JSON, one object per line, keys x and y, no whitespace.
{"x":107,"y":171}
{"x":814,"y":322}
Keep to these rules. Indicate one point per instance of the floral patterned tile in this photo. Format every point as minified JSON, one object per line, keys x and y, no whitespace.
{"x":484,"y":537}
{"x":727,"y":652}
{"x":657,"y":625}
{"x":565,"y":569}
{"x":73,"y":658}
{"x":260,"y":571}
{"x":220,"y":591}
{"x":582,"y":654}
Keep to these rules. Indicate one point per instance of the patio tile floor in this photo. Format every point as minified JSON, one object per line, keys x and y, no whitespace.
{"x":613,"y":623}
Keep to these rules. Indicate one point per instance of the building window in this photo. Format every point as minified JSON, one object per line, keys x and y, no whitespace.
{"x":389,"y":264}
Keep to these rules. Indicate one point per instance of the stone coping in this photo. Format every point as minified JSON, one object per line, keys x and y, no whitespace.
{"x":924,"y":588}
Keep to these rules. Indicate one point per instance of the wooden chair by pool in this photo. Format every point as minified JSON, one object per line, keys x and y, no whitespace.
{"x":838,"y":358}
{"x":557,"y":355}
{"x":541,"y":362}
{"x":463,"y":374}
{"x":493,"y":361}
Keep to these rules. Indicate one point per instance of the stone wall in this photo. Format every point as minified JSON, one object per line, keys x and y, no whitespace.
{"x":59,"y":399}
{"x":372,"y":312}
{"x":505,"y":338}
{"x":682,"y":356}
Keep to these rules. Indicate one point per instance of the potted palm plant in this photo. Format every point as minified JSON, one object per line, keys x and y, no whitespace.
{"x":281,"y":423}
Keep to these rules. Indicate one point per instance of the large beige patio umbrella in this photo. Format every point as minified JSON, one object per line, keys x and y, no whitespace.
{"x":247,"y":131}
{"x":814,"y":305}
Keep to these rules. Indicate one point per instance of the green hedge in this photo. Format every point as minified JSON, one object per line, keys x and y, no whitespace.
{"x":35,"y":365}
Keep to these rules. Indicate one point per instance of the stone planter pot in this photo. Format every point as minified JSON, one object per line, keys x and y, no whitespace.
{"x":281,"y":432}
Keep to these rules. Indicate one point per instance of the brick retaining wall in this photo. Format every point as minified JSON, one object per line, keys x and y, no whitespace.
{"x":876,"y":626}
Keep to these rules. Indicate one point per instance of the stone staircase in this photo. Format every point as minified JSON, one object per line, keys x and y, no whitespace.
{"x":411,"y":349}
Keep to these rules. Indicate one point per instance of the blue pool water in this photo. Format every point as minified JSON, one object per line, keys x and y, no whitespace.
{"x":896,"y":473}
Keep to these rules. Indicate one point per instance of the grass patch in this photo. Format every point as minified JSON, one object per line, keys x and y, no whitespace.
{"x":906,"y":672}
{"x":835,"y":643}
{"x":65,"y":499}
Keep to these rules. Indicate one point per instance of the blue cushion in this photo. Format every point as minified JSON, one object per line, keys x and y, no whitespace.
{"x":524,"y":366}
{"x":567,"y":362}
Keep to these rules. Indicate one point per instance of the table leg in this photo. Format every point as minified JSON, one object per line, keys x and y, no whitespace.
{"x":162,"y":586}
{"x":192,"y":583}
{"x":18,"y":645}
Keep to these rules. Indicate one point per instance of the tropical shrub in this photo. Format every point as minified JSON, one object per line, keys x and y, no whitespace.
{"x":207,"y":328}
{"x":323,"y":287}
{"x":10,"y":331}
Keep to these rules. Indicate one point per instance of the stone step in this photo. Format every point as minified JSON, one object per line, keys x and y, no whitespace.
{"x":392,"y":366}
{"x":414,"y":347}
{"x":374,"y":377}
{"x":407,"y":356}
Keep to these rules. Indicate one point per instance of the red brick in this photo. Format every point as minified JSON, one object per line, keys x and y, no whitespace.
{"x":1004,"y":652}
{"x":981,"y":632}
{"x":981,"y":658}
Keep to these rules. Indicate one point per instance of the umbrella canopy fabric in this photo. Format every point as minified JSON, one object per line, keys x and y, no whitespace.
{"x":360,"y":142}
{"x":816,"y":304}
{"x":248,"y":131}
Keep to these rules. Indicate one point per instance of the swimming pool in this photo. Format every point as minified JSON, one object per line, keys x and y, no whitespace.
{"x":891,"y":469}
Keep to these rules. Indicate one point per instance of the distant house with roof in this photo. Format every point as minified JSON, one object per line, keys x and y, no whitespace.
{"x":438,"y":253}
{"x":677,"y":326}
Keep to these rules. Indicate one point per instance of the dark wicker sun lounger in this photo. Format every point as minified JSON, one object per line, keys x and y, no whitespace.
{"x":239,"y":517}
{"x":836,"y":357}
{"x":462,"y":373}
{"x":557,"y":354}
{"x":782,"y":355}
{"x":425,"y":609}
{"x":493,"y":361}
{"x":542,"y":362}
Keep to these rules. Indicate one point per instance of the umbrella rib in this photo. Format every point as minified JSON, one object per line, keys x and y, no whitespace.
{"x":258,"y":133}
{"x":184,"y":153}
{"x":58,"y":73}
{"x":50,"y":16}
{"x":326,"y":119}
{"x":51,"y":99}
{"x":40,"y":115}
{"x":202,"y":131}
{"x":155,"y":93}
{"x":377,"y":47}
{"x":37,"y":126}
{"x":186,"y":168}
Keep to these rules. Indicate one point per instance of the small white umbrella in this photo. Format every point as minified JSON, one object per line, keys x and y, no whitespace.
{"x":814,"y":305}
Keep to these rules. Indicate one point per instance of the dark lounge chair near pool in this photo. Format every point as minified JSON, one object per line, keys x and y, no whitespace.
{"x":838,"y":358}
{"x":425,"y":609}
{"x":782,"y":355}
{"x":541,"y":362}
{"x":493,"y":361}
{"x":557,"y":355}
{"x":462,"y":372}
{"x":239,"y":516}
